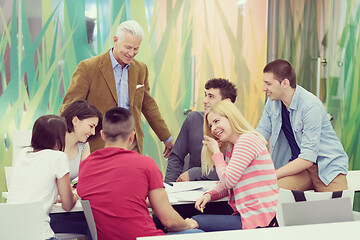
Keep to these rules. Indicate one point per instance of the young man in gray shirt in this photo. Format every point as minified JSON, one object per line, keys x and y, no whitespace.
{"x":189,"y":140}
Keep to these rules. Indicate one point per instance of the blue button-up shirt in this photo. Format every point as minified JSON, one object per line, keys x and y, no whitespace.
{"x":121,"y":82}
{"x":313,"y":133}
{"x":121,"y":76}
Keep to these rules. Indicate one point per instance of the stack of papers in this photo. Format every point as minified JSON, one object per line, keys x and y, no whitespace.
{"x":188,"y":191}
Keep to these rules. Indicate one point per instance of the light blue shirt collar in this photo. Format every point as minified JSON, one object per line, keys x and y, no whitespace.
{"x":114,"y":62}
{"x":295,"y":99}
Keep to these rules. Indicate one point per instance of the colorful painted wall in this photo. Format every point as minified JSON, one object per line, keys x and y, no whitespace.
{"x":186,"y":43}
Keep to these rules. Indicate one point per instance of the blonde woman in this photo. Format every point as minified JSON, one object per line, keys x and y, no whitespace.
{"x":248,"y":177}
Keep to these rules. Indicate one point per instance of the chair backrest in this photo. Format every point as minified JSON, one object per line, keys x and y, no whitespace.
{"x":21,"y":221}
{"x":89,"y":218}
{"x":315,"y":212}
{"x":20,"y":139}
{"x":286,"y":196}
{"x":8,"y":175}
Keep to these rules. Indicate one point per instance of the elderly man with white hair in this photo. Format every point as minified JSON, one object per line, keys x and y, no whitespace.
{"x":114,"y":79}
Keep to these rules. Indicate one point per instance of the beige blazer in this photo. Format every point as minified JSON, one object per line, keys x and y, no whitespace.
{"x":94,"y":81}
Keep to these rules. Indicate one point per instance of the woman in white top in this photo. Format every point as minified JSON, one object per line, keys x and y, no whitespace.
{"x":41,"y":171}
{"x":83,"y":123}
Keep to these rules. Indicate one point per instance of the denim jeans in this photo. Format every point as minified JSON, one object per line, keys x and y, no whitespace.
{"x":188,"y":210}
{"x":186,"y":231}
{"x":69,"y":222}
{"x":209,"y":222}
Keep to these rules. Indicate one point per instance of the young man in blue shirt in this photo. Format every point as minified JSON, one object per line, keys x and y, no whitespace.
{"x":303,"y":145}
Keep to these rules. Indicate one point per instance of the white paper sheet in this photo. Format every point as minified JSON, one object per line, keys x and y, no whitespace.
{"x":188,"y":191}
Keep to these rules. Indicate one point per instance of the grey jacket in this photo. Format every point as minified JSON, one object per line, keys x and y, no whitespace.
{"x":189,"y":141}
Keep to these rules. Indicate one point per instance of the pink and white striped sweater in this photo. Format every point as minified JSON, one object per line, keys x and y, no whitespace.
{"x":249,"y":180}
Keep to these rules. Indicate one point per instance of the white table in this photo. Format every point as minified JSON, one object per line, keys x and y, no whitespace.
{"x":353,"y":179}
{"x":56,"y":208}
{"x":328,"y":231}
{"x":181,"y":193}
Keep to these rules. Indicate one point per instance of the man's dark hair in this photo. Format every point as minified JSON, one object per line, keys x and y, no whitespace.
{"x":227,"y":88}
{"x":83,"y":110}
{"x":281,"y":69}
{"x":118,"y":123}
{"x":49,"y":133}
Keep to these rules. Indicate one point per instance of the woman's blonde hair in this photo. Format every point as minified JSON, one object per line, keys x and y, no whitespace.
{"x":238,"y":123}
